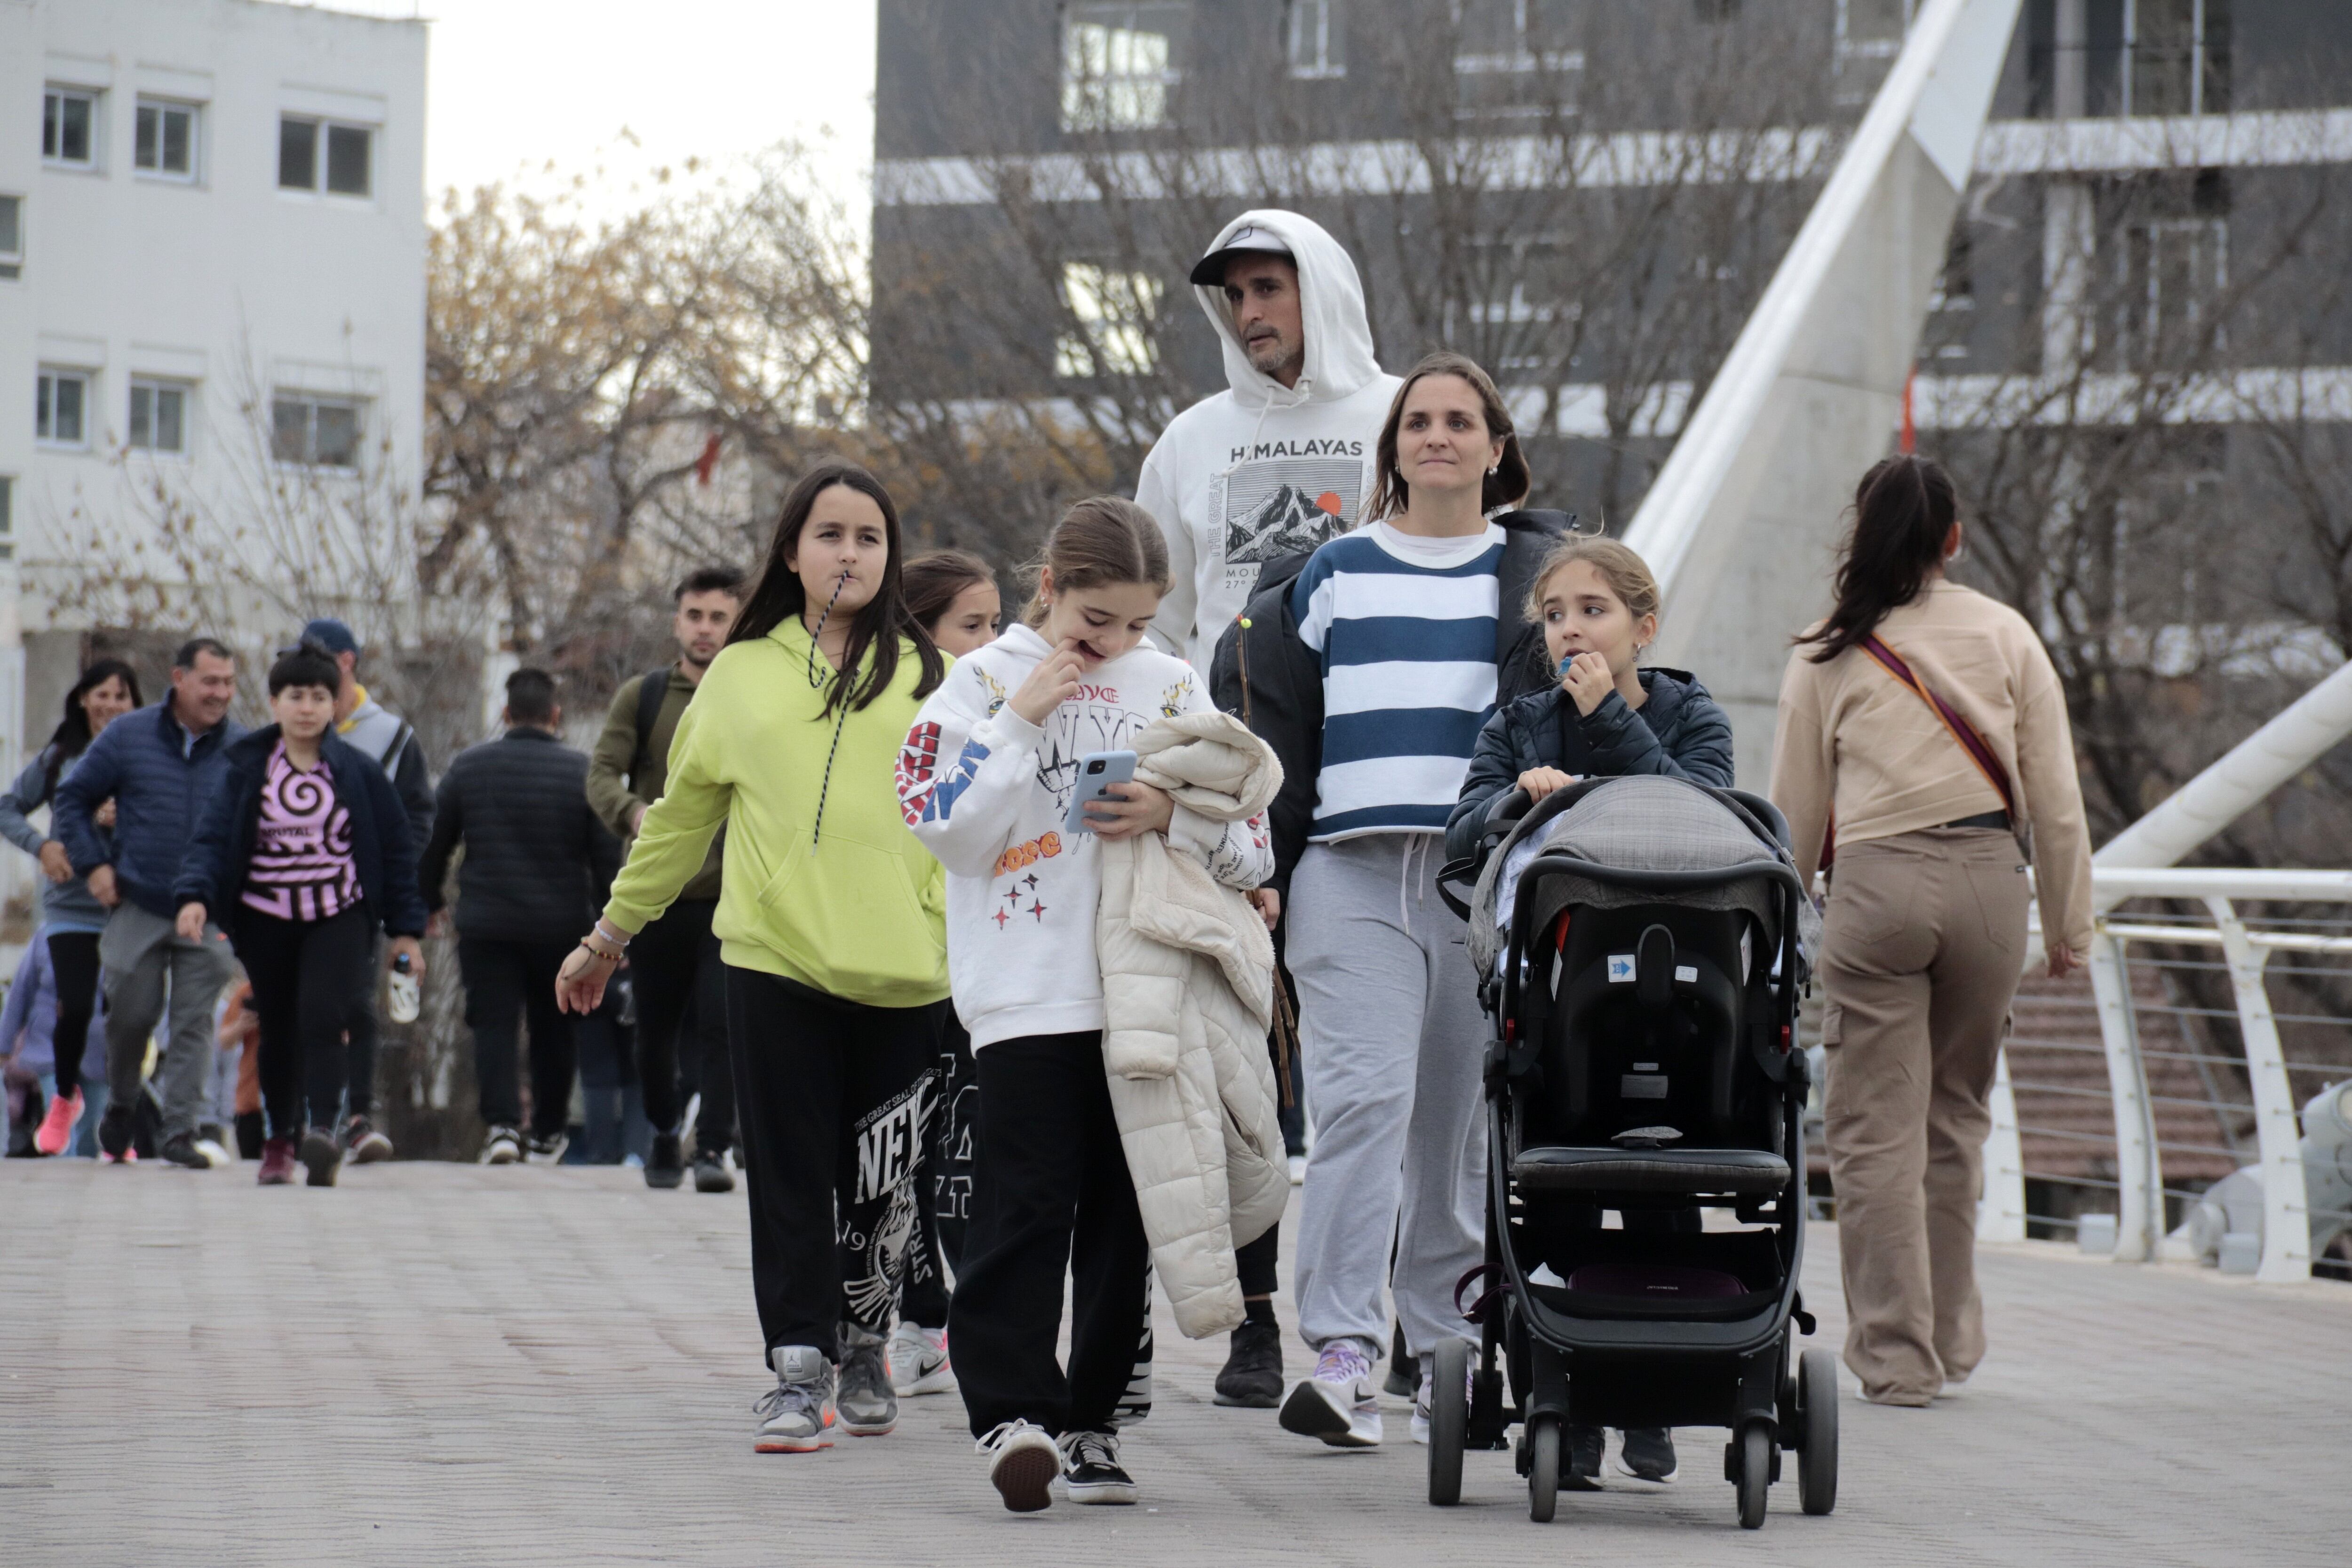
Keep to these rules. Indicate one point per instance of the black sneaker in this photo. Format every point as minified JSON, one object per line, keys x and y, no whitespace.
{"x":1403,"y":1380}
{"x":321,"y":1156}
{"x":663,"y":1169}
{"x":1090,"y":1460}
{"x":1647,"y":1454}
{"x":550,"y":1148}
{"x":710,"y":1172}
{"x":362,"y":1144}
{"x":1586,"y":1445}
{"x":114,"y":1130}
{"x":502,"y":1147}
{"x":181,"y":1150}
{"x":1251,"y":1378}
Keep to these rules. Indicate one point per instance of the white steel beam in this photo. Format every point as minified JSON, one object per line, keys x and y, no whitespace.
{"x":1742,"y":521}
{"x":2139,"y":1174}
{"x":2286,"y":1203}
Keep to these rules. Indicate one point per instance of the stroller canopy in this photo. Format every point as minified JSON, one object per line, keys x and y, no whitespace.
{"x":1639,"y":823}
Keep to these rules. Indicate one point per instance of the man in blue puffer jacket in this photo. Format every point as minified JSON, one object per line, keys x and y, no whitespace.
{"x":157,"y":765}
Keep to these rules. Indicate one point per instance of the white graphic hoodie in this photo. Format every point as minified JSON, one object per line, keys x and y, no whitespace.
{"x":1262,"y":470}
{"x":985,"y":791}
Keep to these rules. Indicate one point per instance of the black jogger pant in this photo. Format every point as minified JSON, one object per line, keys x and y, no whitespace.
{"x":943,"y":1183}
{"x":360,"y":1054}
{"x":1051,"y":1197}
{"x":680,"y":983}
{"x":834,"y":1098}
{"x":309,"y":978}
{"x":73,"y":962}
{"x":506,"y":982}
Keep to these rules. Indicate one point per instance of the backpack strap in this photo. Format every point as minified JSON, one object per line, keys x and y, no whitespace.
{"x":1964,"y":733}
{"x":653,"y":689}
{"x":401,"y":736}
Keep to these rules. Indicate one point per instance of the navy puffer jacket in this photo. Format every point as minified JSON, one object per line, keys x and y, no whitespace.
{"x":1679,"y":732}
{"x":159,"y":779}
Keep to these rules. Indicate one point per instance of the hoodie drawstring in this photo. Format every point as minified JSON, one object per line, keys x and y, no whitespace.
{"x":1406,"y":885}
{"x":825,"y":788}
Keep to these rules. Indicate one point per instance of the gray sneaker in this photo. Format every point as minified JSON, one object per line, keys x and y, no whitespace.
{"x":868,"y":1406}
{"x":796,"y":1416}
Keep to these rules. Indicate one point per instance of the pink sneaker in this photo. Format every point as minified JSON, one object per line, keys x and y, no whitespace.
{"x":55,"y":1135}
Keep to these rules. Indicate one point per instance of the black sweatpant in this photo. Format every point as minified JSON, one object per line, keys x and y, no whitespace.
{"x":73,"y":962}
{"x":360,"y":1052}
{"x":835,"y":1097}
{"x":1051,"y":1197}
{"x":943,"y":1183}
{"x":308,"y":977}
{"x":680,"y":983}
{"x":507,"y":981}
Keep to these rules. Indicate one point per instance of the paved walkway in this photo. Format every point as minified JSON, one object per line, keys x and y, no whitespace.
{"x":445,"y":1364}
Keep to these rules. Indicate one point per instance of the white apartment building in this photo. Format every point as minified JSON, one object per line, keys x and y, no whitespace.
{"x":212,"y":257}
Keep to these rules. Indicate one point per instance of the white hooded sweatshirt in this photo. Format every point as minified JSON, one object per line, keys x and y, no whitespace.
{"x":1261,"y":470}
{"x":985,"y":791}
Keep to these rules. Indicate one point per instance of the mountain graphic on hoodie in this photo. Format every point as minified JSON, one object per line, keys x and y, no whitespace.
{"x":1285,"y":523}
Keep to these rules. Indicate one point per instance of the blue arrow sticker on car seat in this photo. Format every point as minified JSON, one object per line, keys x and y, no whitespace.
{"x":1620,"y":969}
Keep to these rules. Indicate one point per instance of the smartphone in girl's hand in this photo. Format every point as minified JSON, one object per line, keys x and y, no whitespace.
{"x":1098,"y":771}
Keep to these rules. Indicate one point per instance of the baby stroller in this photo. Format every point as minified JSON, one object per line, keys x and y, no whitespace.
{"x":1640,"y":942}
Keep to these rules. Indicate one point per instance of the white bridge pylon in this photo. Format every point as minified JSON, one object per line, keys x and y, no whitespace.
{"x":1744,"y":518}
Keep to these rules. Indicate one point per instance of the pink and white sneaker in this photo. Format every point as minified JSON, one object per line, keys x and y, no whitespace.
{"x":1339,"y":1403}
{"x":55,"y":1135}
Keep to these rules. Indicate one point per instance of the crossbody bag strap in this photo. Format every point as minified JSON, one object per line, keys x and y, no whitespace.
{"x":1986,"y":759}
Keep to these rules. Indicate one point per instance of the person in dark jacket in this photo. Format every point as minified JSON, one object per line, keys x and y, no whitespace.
{"x":537,"y":866}
{"x":1596,"y":605}
{"x":157,"y":764}
{"x":304,"y":851}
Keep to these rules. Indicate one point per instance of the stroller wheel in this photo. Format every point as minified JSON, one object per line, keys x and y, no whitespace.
{"x":1449,"y":1420}
{"x":1817,"y":1455}
{"x":1543,"y":1468}
{"x":1755,"y":1472}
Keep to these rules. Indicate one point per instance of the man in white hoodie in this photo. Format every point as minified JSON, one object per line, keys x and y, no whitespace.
{"x":1275,"y":465}
{"x":1282,"y":459}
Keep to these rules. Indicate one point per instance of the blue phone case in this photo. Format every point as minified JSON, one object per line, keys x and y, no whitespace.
{"x":1096,"y":770}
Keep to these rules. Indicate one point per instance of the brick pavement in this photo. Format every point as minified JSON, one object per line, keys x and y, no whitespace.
{"x":449,"y":1365}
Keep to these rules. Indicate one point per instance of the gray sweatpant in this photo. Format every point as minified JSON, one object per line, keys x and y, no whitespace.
{"x":137,"y":952}
{"x":1394,"y":1046}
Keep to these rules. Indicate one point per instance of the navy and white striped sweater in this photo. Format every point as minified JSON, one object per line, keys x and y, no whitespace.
{"x":1405,"y":629}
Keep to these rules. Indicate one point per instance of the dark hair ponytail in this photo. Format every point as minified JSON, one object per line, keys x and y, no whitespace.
{"x":1903,"y":513}
{"x":779,"y":595}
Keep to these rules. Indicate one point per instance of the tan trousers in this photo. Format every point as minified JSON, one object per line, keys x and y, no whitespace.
{"x":1924,"y":939}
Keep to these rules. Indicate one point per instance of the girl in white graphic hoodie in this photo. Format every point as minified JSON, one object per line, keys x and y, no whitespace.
{"x":985,"y":781}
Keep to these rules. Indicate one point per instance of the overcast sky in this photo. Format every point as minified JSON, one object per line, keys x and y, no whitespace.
{"x":516,"y":83}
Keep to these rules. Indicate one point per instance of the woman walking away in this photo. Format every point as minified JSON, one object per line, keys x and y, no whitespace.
{"x":1923,"y":740}
{"x":303,"y":854}
{"x":830,"y":922}
{"x":1598,"y":605}
{"x":951,"y":594}
{"x":70,"y":913}
{"x":986,"y":781}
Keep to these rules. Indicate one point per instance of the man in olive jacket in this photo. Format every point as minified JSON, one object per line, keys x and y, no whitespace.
{"x":675,"y":969}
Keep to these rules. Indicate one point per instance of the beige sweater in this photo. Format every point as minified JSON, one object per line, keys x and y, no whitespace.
{"x":1852,"y":733}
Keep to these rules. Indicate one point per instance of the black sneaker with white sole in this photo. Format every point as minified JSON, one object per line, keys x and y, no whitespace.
{"x":1090,"y":1460}
{"x":1587,"y":1446}
{"x":1022,"y":1462}
{"x":1647,"y":1454}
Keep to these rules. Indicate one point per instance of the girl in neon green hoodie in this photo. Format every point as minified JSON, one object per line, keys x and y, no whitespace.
{"x":832,"y":923}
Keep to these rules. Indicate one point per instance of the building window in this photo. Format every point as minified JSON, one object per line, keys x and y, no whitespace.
{"x":159,"y":417}
{"x":164,"y":143}
{"x":12,"y":237}
{"x":2173,"y":273}
{"x":1115,"y":311}
{"x":1119,"y":64}
{"x":319,"y":432}
{"x":70,"y":127}
{"x":319,"y":154}
{"x":1313,"y":40}
{"x":1513,"y":59}
{"x":2156,"y":56}
{"x":1869,"y":36}
{"x":62,"y":408}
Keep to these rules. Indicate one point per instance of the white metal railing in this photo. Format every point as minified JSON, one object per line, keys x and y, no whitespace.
{"x":2247,"y":941}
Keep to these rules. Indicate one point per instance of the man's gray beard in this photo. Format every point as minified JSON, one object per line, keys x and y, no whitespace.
{"x":1279,"y":365}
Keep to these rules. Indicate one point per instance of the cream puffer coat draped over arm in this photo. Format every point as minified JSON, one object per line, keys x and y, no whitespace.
{"x":1188,"y":995}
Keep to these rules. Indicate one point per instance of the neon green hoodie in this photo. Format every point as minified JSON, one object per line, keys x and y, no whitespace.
{"x":852,"y":905}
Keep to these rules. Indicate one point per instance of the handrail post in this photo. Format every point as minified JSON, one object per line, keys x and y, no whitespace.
{"x":2286,"y":1205}
{"x":2139,"y":1182}
{"x":2000,"y":1209}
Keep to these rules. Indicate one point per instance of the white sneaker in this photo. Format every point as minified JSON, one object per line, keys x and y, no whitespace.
{"x":1339,"y":1403}
{"x":502,"y":1147}
{"x":918,"y":1361}
{"x":1299,"y":1169}
{"x":1022,"y":1465}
